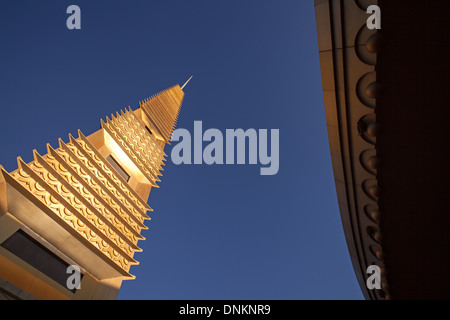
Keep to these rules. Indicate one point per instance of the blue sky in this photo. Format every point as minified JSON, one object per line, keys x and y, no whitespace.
{"x":219,"y":231}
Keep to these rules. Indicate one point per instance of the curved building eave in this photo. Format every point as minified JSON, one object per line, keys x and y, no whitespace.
{"x":348,"y":57}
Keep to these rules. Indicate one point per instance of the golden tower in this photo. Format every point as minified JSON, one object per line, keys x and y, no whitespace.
{"x":84,"y":204}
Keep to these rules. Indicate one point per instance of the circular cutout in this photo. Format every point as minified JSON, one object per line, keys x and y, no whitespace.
{"x":371,"y":189}
{"x":362,"y":89}
{"x":365,"y":44}
{"x":368,"y":160}
{"x":368,"y":129}
{"x":373,"y":213}
{"x":377,"y":252}
{"x":375,"y":234}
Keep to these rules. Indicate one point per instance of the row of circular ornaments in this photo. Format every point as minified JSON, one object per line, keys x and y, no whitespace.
{"x":368,"y":90}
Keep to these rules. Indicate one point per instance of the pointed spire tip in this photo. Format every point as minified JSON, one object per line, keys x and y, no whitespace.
{"x":186,"y":82}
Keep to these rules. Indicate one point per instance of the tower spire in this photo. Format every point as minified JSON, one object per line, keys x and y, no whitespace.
{"x":186,"y":82}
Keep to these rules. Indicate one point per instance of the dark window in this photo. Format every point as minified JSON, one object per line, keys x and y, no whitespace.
{"x":118,"y":168}
{"x":35,"y":254}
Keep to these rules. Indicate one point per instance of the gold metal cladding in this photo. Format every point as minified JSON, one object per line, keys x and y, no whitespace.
{"x":76,"y":201}
{"x":105,"y":167}
{"x":102,"y":195}
{"x":57,"y":198}
{"x":120,"y":138}
{"x":80,"y":195}
{"x":143,"y":137}
{"x":163,"y":109}
{"x":141,"y":141}
{"x":110,"y":190}
{"x":54,"y":207}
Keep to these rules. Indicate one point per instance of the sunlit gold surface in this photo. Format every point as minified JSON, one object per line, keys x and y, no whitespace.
{"x":76,"y":203}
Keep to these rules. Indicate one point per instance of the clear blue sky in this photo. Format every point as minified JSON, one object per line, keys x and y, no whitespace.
{"x":220,"y":231}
